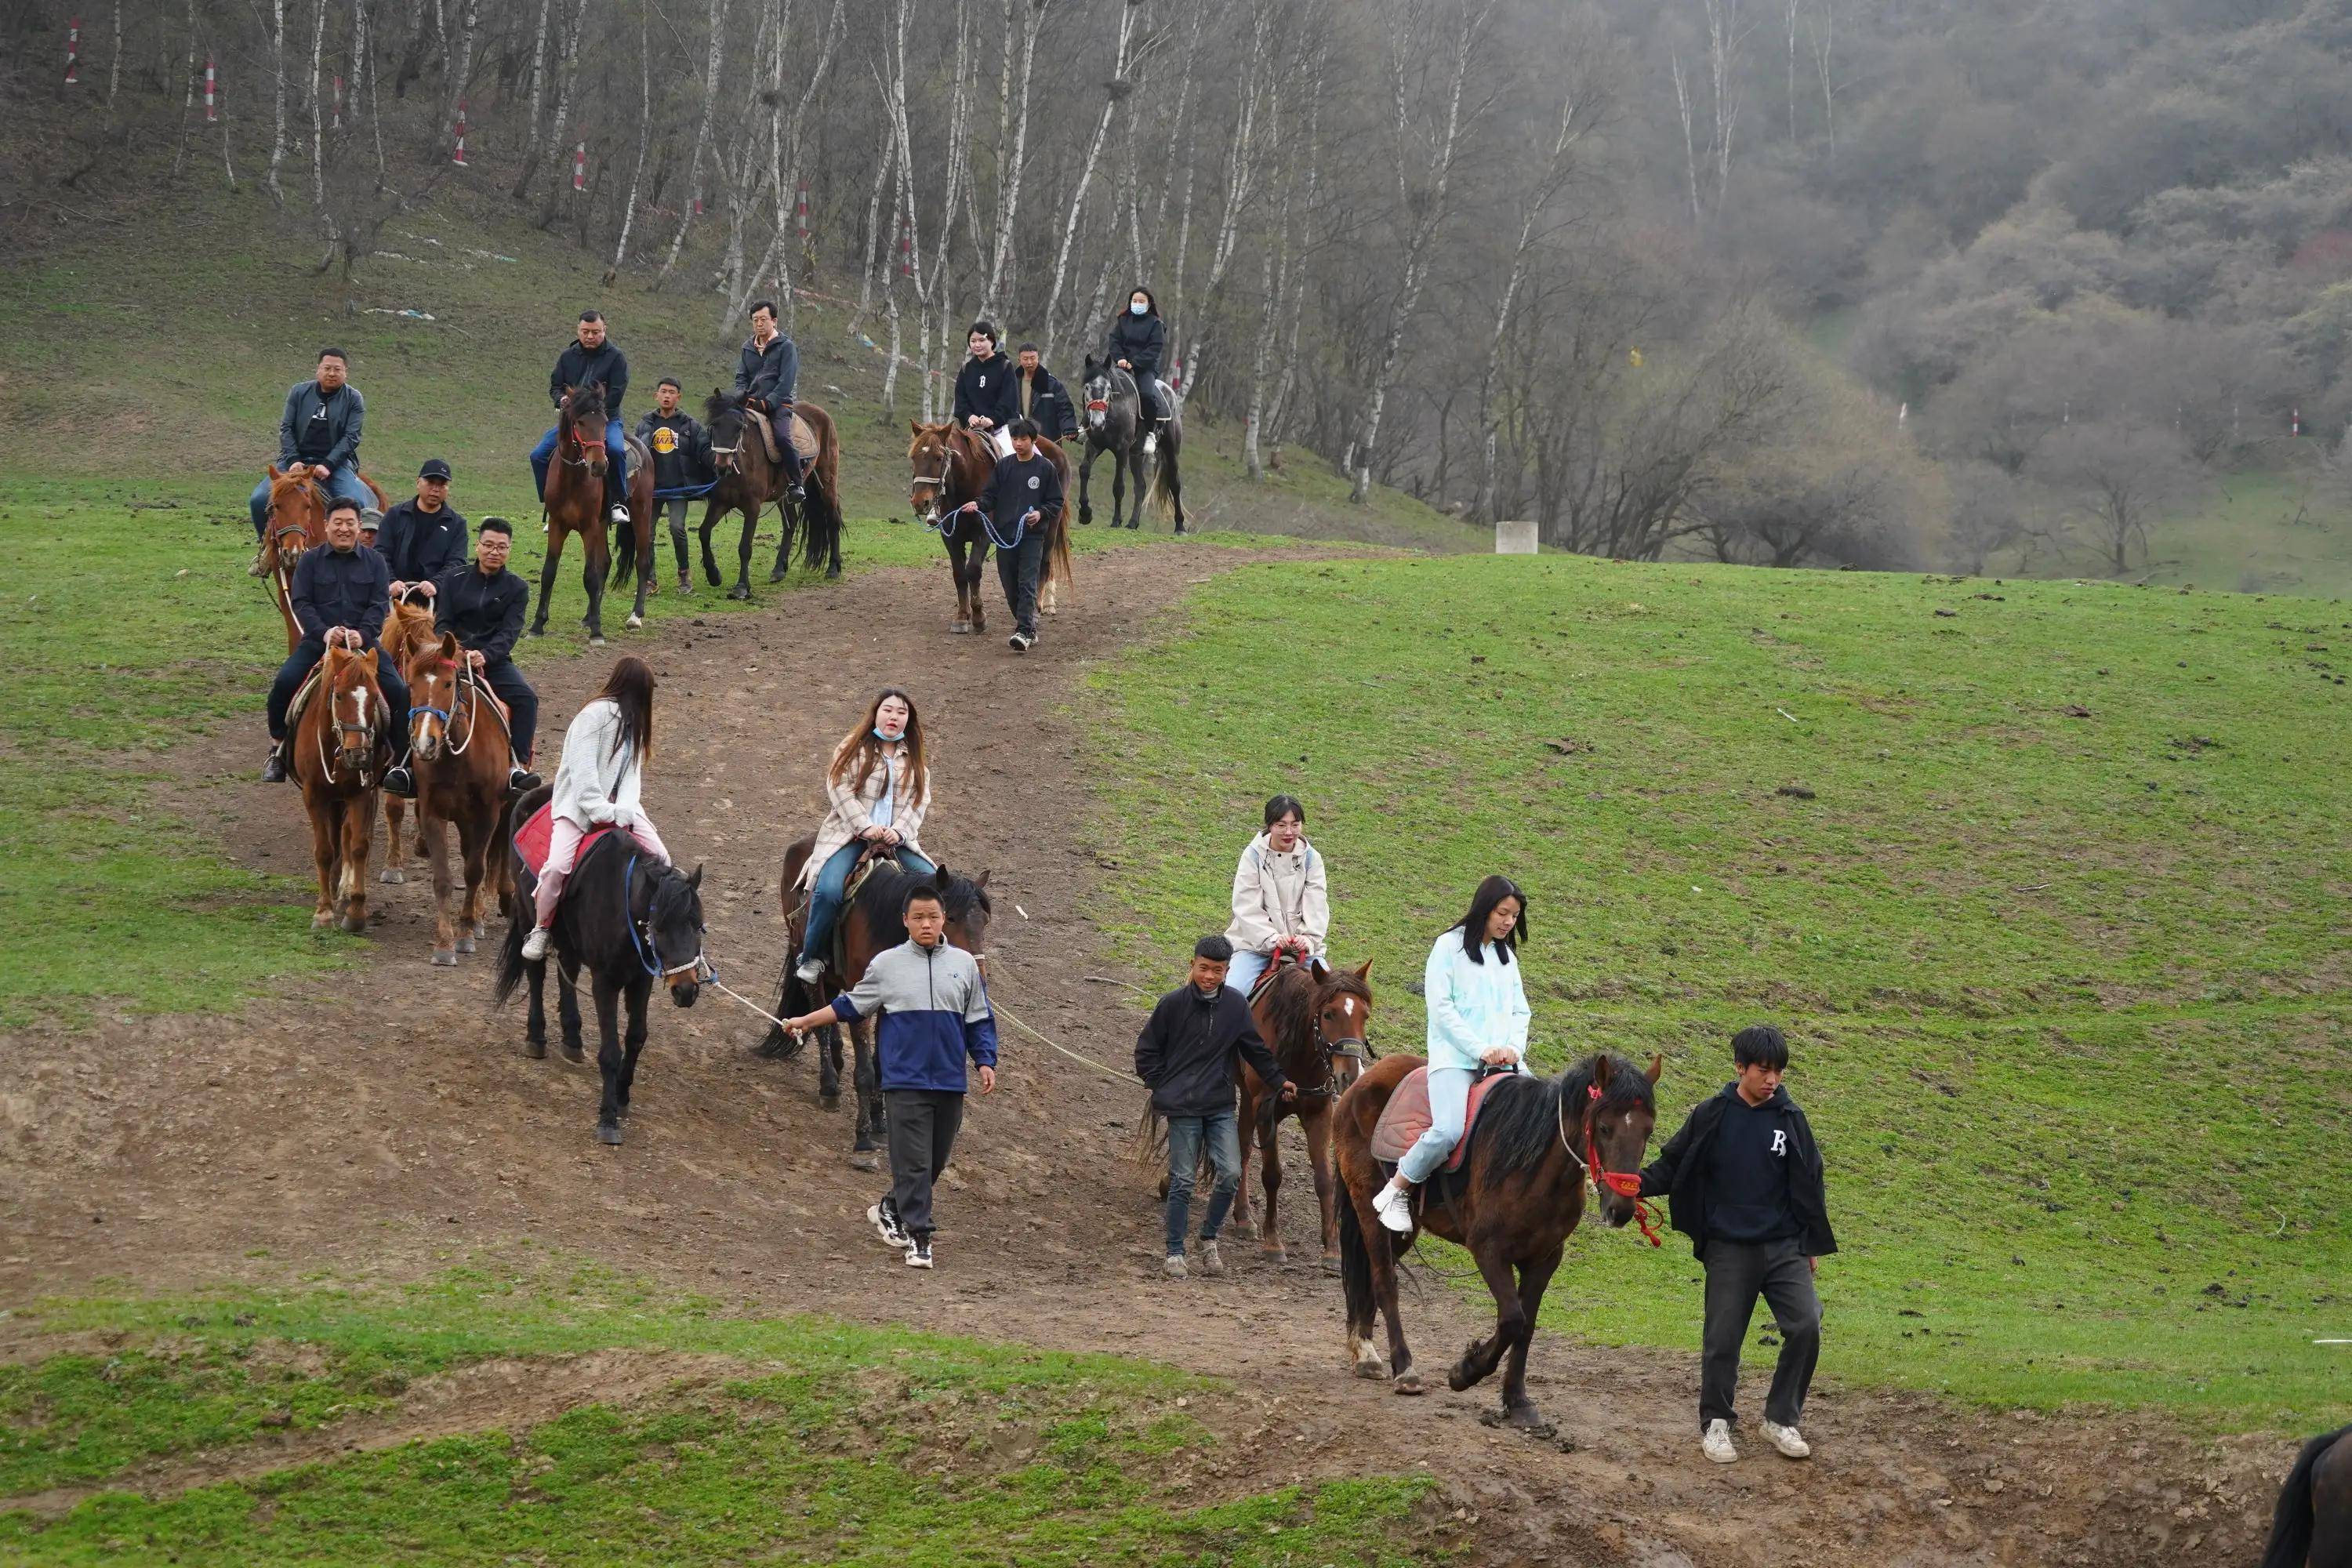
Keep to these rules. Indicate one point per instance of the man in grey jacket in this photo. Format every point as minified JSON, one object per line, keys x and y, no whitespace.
{"x":319,"y":432}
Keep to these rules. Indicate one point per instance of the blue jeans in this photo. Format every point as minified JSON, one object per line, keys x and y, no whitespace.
{"x":1186,"y":1136}
{"x":305,"y":658}
{"x":1246,"y":967}
{"x":616,"y":457}
{"x":824,"y":899}
{"x":344,"y":484}
{"x":1449,"y":1108}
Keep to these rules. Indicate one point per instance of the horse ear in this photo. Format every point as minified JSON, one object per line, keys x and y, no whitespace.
{"x":1320,"y":969}
{"x":1657,"y":1066}
{"x":940,"y":880}
{"x":696,"y":881}
{"x":914,"y":426}
{"x":366,"y":661}
{"x":1600,"y":1072}
{"x":980,"y":881}
{"x":448,"y":645}
{"x":1363,"y":969}
{"x":274,"y":474}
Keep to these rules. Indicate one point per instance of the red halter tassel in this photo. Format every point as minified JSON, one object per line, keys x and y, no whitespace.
{"x":1625,"y":1184}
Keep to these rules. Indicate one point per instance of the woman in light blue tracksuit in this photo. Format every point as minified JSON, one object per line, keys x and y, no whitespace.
{"x":1477,"y":1018}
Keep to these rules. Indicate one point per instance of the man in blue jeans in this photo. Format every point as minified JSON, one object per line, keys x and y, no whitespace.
{"x":320,"y":433}
{"x":1185,"y":1056}
{"x":590,"y":361}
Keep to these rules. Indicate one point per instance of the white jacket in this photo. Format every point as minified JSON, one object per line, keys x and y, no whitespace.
{"x":1277,"y":895}
{"x":595,"y":784}
{"x":1473,"y":1006}
{"x":850,"y":811}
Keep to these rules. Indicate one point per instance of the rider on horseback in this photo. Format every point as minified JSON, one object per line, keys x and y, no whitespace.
{"x":766,"y":375}
{"x":424,"y":540}
{"x":591,"y":360}
{"x":985,"y":396}
{"x":341,"y":595}
{"x":1137,"y":342}
{"x":483,"y":604}
{"x":1282,"y":898}
{"x":878,"y":788}
{"x":598,"y":784}
{"x":1038,"y":394}
{"x":1477,"y":1022}
{"x":319,"y":432}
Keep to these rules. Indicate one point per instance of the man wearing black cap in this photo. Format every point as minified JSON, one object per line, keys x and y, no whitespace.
{"x":484,"y":605}
{"x":424,"y":540}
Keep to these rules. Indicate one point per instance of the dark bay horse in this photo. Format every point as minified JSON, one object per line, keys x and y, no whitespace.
{"x":1535,"y":1148}
{"x":1316,"y":1020}
{"x":951,"y":465}
{"x":341,"y":780}
{"x":871,"y":923}
{"x":748,"y":481}
{"x":296,"y":521}
{"x":2313,"y":1526}
{"x":575,"y":504}
{"x":628,"y":922}
{"x":1116,"y":424}
{"x":458,"y":753}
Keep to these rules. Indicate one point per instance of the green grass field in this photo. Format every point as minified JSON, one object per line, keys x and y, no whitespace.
{"x":2057,"y":931}
{"x":793,"y":1440}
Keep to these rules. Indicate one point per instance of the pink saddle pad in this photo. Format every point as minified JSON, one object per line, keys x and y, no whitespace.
{"x":1406,"y":1118}
{"x":539,"y":831}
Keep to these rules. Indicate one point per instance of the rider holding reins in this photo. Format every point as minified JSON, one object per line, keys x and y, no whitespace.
{"x":877,"y":788}
{"x":599,"y":783}
{"x":985,"y":396}
{"x":1282,"y":896}
{"x":766,"y":375}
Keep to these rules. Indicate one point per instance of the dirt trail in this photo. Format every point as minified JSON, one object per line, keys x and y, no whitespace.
{"x":382,"y":1123}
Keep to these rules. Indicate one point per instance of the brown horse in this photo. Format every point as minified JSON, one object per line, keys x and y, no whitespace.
{"x":407,"y":628}
{"x":575,"y":504}
{"x":1316,"y":1020}
{"x":296,"y":521}
{"x":459,"y":755}
{"x":340,"y":781}
{"x":1534,"y":1149}
{"x":951,"y":465}
{"x":871,"y":923}
{"x":747,"y":482}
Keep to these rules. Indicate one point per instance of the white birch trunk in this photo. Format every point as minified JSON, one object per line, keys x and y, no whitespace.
{"x":876,"y":256}
{"x":991,"y":296}
{"x":645,"y":141}
{"x":701,"y":139}
{"x":468,"y":23}
{"x":538,"y":100}
{"x":1119,"y":65}
{"x":277,"y":135}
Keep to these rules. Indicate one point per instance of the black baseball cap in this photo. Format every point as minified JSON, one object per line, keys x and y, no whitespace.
{"x":433,"y":468}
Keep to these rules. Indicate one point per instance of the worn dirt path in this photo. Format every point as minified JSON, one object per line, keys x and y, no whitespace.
{"x":382,"y":1123}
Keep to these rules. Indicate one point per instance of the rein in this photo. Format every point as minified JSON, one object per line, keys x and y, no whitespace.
{"x":641,"y":936}
{"x":1624,"y":1185}
{"x":343,"y":729}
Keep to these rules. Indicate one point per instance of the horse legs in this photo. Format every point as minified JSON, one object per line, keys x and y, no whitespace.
{"x":358,"y":836}
{"x":1510,"y":1322}
{"x":1268,"y":1133}
{"x":534,"y":1036}
{"x":473,"y":841}
{"x":634,"y":1040}
{"x":592,"y":577}
{"x":711,"y":513}
{"x":869,"y":1099}
{"x":786,"y":516}
{"x":1143,"y":489}
{"x":956,"y":552}
{"x":1118,"y":489}
{"x":395,"y":809}
{"x":436,"y":855}
{"x":555,"y":532}
{"x":828,"y":1066}
{"x":1316,"y":1124}
{"x":1381,"y":1252}
{"x":608,"y":1058}
{"x":567,"y":1003}
{"x":1085,"y":467}
{"x":1518,"y":1410}
{"x":975,"y":579}
{"x":1237,"y":1219}
{"x":325,"y":850}
{"x":742,"y":588}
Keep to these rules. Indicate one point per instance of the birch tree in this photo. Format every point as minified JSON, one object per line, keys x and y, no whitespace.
{"x":1012,"y":167}
{"x":1123,"y":62}
{"x":701,"y":139}
{"x":645,"y":140}
{"x":538,"y":98}
{"x":278,"y":60}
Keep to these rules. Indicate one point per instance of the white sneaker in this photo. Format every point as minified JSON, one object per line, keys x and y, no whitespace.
{"x":811,"y":970}
{"x":1785,"y":1439}
{"x":1393,"y":1205}
{"x":1150,"y":444}
{"x":534,"y":946}
{"x":620,"y":518}
{"x":1173,"y":1265}
{"x":1717,"y":1444}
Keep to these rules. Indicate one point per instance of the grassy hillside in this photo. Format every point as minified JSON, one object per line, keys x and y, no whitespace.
{"x":2044,"y":881}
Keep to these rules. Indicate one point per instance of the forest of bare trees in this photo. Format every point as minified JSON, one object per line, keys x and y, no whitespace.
{"x":1871,"y":282}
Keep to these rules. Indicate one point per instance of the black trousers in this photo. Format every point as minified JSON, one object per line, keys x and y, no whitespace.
{"x":1736,"y":1273}
{"x":1019,"y":569}
{"x":923,"y":1125}
{"x":501,"y":676}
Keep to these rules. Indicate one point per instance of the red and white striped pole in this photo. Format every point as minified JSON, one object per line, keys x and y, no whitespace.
{"x":799,"y":212}
{"x":580,"y":167}
{"x":73,"y":51}
{"x":212,"y":110}
{"x":458,"y":158}
{"x":905,"y":251}
{"x":339,"y":105}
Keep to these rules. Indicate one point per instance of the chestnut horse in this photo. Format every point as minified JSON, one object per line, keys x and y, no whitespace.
{"x":458,"y":753}
{"x":409,"y":625}
{"x":340,"y":781}
{"x":1316,"y":1020}
{"x":575,"y":504}
{"x":871,"y":923}
{"x":748,"y":481}
{"x":951,"y":465}
{"x":296,"y":521}
{"x":1534,"y":1149}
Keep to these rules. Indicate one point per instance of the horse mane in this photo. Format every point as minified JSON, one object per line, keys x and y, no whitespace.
{"x":1292,"y":1008}
{"x":884,"y":896}
{"x":588,"y":399}
{"x":1520,"y":1121}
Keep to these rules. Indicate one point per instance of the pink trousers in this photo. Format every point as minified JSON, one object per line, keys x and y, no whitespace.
{"x":563,"y":852}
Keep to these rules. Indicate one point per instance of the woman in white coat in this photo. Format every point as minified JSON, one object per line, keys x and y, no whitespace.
{"x":599,"y":783}
{"x":1477,"y":1018}
{"x":1282,"y":896}
{"x":877,"y":790}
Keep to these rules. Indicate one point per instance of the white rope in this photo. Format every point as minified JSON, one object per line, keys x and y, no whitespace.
{"x":721,"y":985}
{"x":1127,"y":1076}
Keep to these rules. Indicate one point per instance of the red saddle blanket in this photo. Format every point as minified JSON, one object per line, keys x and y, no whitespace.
{"x":539,"y":829}
{"x":1406,"y":1118}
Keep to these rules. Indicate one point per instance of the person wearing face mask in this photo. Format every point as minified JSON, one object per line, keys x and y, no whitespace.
{"x":1137,"y":342}
{"x":877,"y":790}
{"x":984,"y":391}
{"x":1282,"y":896}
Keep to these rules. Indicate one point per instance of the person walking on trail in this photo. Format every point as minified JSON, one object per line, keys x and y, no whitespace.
{"x":1187,"y":1056}
{"x":1744,"y":1180}
{"x":483,"y":604}
{"x":681,"y":453}
{"x":340,"y":595}
{"x":935,"y":1016}
{"x":1020,"y":504}
{"x":423,"y":540}
{"x":984,"y":391}
{"x":1477,"y":1023}
{"x":1137,"y":342}
{"x":1282,"y":896}
{"x":319,"y":430}
{"x":599,"y":783}
{"x":1039,"y":395}
{"x":593,"y":359}
{"x":877,"y":788}
{"x":766,"y":375}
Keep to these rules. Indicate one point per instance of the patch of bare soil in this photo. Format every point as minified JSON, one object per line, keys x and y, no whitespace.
{"x":382,"y":1125}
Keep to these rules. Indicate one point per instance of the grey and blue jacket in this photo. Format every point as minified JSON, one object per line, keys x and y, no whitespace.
{"x":321,"y":427}
{"x":934,"y":1014}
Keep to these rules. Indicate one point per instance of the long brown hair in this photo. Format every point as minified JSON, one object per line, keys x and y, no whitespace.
{"x":859,"y":754}
{"x":631,"y":689}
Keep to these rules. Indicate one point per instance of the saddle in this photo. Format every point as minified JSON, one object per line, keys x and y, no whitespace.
{"x":537,"y":831}
{"x":1406,"y":1118}
{"x":837,"y":954}
{"x":637,"y":458}
{"x":804,"y":439}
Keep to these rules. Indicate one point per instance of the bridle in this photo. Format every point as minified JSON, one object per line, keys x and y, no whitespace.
{"x":948,"y":457}
{"x":364,"y":728}
{"x":462,"y":687}
{"x":588,"y":450}
{"x":640,"y":937}
{"x":1624,"y":1183}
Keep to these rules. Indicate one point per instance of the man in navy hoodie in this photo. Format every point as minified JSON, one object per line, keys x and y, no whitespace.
{"x":935,"y":1012}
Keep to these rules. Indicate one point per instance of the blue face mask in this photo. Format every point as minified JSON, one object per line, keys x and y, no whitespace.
{"x":888,"y":739}
{"x":1137,"y":310}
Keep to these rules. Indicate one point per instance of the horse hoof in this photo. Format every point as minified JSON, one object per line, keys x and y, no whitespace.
{"x":828,"y":1102}
{"x":1518,"y":1418}
{"x":740,"y":591}
{"x":392,"y":874}
{"x":1332,"y":1263}
{"x":445,"y":958}
{"x":713,"y":574}
{"x":1369,"y":1370}
{"x":572,"y":1053}
{"x":774,"y":578}
{"x":465,"y":944}
{"x":535,"y":1049}
{"x":609,"y":1133}
{"x":1406,"y":1382}
{"x":866,"y":1162}
{"x":636,"y":623}
{"x":1457,"y":1377}
{"x":321,"y":920}
{"x":355,"y":924}
{"x":962,"y":628}
{"x":538,"y":631}
{"x":595,"y":639}
{"x":1275,"y":1252}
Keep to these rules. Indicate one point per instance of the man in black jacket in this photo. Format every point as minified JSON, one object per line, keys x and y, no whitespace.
{"x":681,"y":453}
{"x":591,"y":361}
{"x":340,"y":595}
{"x":766,"y":375}
{"x":1038,"y":394}
{"x":1745,"y":1179}
{"x":484,"y":605}
{"x":1022,"y":502}
{"x":1186,"y":1057}
{"x":319,"y":431}
{"x":424,"y":540}
{"x":984,"y":394}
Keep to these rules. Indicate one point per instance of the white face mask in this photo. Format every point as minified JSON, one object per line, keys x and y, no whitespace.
{"x":1137,"y":310}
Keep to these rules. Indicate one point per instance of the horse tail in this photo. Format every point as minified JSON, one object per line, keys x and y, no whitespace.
{"x":1355,"y":1261}
{"x":2290,"y":1526}
{"x":625,"y":560}
{"x":1167,"y":487}
{"x":822,"y":518}
{"x":511,"y":964}
{"x":1151,"y":1141}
